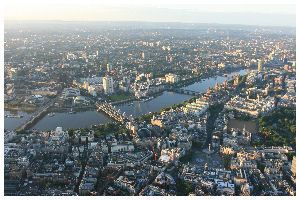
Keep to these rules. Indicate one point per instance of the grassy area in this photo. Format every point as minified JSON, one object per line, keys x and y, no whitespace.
{"x":197,"y":145}
{"x":48,"y":184}
{"x":279,"y":128}
{"x":187,"y":158}
{"x":227,"y":160}
{"x":110,"y":128}
{"x":104,"y":129}
{"x":183,"y":187}
{"x":119,"y":96}
{"x":243,"y":117}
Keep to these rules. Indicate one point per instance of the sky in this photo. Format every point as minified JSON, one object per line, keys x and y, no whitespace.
{"x":275,"y":14}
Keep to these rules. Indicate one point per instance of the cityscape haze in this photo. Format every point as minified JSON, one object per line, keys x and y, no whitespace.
{"x":154,"y":11}
{"x":123,"y":98}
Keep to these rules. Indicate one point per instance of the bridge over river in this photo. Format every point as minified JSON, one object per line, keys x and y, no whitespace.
{"x":111,"y":111}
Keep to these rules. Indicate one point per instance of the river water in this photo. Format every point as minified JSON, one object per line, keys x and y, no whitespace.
{"x":203,"y":85}
{"x":136,"y":108}
{"x":12,"y":123}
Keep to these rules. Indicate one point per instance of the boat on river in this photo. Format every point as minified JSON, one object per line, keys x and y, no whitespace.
{"x":148,"y":99}
{"x":51,"y":114}
{"x":72,"y":111}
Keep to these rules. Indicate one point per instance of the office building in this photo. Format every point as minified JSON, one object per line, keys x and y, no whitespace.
{"x":171,"y":78}
{"x":293,"y":167}
{"x":260,"y":65}
{"x":108,"y":85}
{"x":108,"y":67}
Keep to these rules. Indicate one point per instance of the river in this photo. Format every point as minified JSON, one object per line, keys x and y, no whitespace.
{"x":91,"y":117}
{"x":203,"y":85}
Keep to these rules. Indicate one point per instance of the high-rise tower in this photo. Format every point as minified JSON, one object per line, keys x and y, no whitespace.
{"x":108,"y":85}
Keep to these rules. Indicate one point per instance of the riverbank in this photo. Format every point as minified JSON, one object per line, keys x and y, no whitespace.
{"x":23,"y":107}
{"x":76,"y":109}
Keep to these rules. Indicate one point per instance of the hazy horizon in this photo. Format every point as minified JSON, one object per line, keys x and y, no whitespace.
{"x":240,"y":14}
{"x":14,"y":22}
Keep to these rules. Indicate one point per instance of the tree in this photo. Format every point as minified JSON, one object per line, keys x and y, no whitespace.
{"x":227,"y":161}
{"x":71,"y":132}
{"x":183,"y":187}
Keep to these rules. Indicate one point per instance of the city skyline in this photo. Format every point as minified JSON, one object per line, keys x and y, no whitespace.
{"x":149,"y":99}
